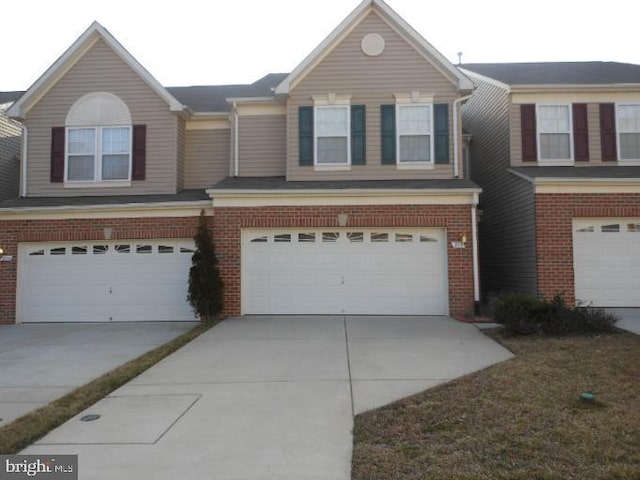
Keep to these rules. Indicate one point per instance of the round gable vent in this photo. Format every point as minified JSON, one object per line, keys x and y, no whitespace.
{"x":372,"y":44}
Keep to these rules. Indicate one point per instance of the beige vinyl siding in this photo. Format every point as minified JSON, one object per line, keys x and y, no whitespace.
{"x":180,"y":146}
{"x":371,"y":81}
{"x":10,"y":145}
{"x":507,"y":229}
{"x":262,"y":145}
{"x":593,"y":119}
{"x":101,"y":70}
{"x":206,"y":157}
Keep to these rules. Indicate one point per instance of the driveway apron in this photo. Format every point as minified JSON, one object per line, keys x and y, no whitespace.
{"x":267,"y":397}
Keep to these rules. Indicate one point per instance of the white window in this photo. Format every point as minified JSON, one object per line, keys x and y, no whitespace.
{"x":555,"y":142}
{"x":415,"y":133}
{"x":628,"y":118}
{"x":333,"y":143}
{"x":96,"y":154}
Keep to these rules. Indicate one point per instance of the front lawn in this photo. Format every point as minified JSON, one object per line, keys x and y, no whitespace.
{"x":521,"y":419}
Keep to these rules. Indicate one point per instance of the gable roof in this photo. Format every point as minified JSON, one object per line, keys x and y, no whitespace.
{"x":558,"y":73}
{"x":9,"y":97}
{"x":213,"y":98}
{"x":69,"y":58}
{"x":353,"y":19}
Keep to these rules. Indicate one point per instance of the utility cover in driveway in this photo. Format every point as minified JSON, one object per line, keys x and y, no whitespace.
{"x":103,"y":281}
{"x":344,"y":271}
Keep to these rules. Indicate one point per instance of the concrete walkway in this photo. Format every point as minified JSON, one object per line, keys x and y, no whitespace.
{"x":267,"y":397}
{"x":42,"y":362}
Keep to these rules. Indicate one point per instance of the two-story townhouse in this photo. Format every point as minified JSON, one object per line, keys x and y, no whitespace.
{"x":556,"y":150}
{"x":10,"y":133}
{"x":335,"y":189}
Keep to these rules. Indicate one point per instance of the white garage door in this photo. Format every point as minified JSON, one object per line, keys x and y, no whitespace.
{"x":606,"y":256}
{"x":344,"y":271}
{"x":102,"y":281}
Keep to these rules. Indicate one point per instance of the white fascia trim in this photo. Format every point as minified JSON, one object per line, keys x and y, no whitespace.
{"x":569,"y":88}
{"x":205,"y":115}
{"x":581,"y":185}
{"x":232,"y":100}
{"x":90,"y":36}
{"x":254,"y":198}
{"x":161,"y":209}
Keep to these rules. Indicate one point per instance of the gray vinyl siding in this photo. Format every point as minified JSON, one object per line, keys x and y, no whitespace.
{"x":100,"y":69}
{"x":372,"y":81}
{"x":10,"y":145}
{"x":507,"y":228}
{"x":206,"y":157}
{"x":262,"y":145}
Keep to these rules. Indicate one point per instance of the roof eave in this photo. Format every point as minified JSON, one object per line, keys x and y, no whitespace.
{"x":566,"y":87}
{"x":89,"y":37}
{"x":574,"y":180}
{"x":461,"y":81}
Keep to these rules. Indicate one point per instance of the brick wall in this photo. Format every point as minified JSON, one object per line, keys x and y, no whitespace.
{"x":14,"y":231}
{"x":554,"y":234}
{"x":228,"y":223}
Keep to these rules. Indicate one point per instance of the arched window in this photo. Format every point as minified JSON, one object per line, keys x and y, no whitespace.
{"x":99,"y":138}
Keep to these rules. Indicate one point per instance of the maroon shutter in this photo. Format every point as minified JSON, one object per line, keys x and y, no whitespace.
{"x":608,"y":132}
{"x":139,"y":152}
{"x":580,"y":132}
{"x":528,"y":125}
{"x":57,"y":154}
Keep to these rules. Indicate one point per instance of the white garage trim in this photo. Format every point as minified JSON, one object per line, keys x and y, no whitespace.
{"x":401,"y":271}
{"x":102,"y":281}
{"x":606,"y":258}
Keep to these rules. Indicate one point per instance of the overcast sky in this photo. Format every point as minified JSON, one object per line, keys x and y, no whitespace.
{"x":214,"y":42}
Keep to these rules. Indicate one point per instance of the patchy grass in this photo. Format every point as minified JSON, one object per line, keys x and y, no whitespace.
{"x":521,"y":419}
{"x":31,"y":427}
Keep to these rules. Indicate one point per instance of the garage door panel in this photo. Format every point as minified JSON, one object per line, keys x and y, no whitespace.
{"x":607,"y":262}
{"x":107,"y":281}
{"x":353,"y":274}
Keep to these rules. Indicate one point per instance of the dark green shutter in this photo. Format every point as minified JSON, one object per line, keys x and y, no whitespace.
{"x":441,"y":131}
{"x":388,"y":134}
{"x":305,"y":133}
{"x":358,"y":128}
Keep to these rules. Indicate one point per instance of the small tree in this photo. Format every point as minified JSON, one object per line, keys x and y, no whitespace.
{"x":205,"y":284}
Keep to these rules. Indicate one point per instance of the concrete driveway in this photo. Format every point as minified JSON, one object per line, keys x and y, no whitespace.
{"x":42,"y":362}
{"x":267,"y":397}
{"x":629,"y":318}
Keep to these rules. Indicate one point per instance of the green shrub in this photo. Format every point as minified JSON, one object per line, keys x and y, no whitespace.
{"x":524,"y":314}
{"x":518,"y":312}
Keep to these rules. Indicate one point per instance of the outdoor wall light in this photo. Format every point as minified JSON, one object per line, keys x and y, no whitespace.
{"x":463,"y":240}
{"x":342,"y":219}
{"x":1,"y":250}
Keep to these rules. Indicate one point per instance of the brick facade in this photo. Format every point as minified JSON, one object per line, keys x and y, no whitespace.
{"x":14,"y":231}
{"x":228,"y":223}
{"x":554,"y":233}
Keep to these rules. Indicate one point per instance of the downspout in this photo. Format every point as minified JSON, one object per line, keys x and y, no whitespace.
{"x":236,"y":166}
{"x":456,"y":147}
{"x":474,"y":247}
{"x":23,"y":160}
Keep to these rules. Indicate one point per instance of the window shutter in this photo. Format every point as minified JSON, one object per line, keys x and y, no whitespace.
{"x":388,"y":134}
{"x":358,"y":128}
{"x":305,"y":132}
{"x":528,"y":126}
{"x":139,"y":152}
{"x":441,"y":131}
{"x":580,"y":132}
{"x":608,"y":132}
{"x":57,"y":154}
